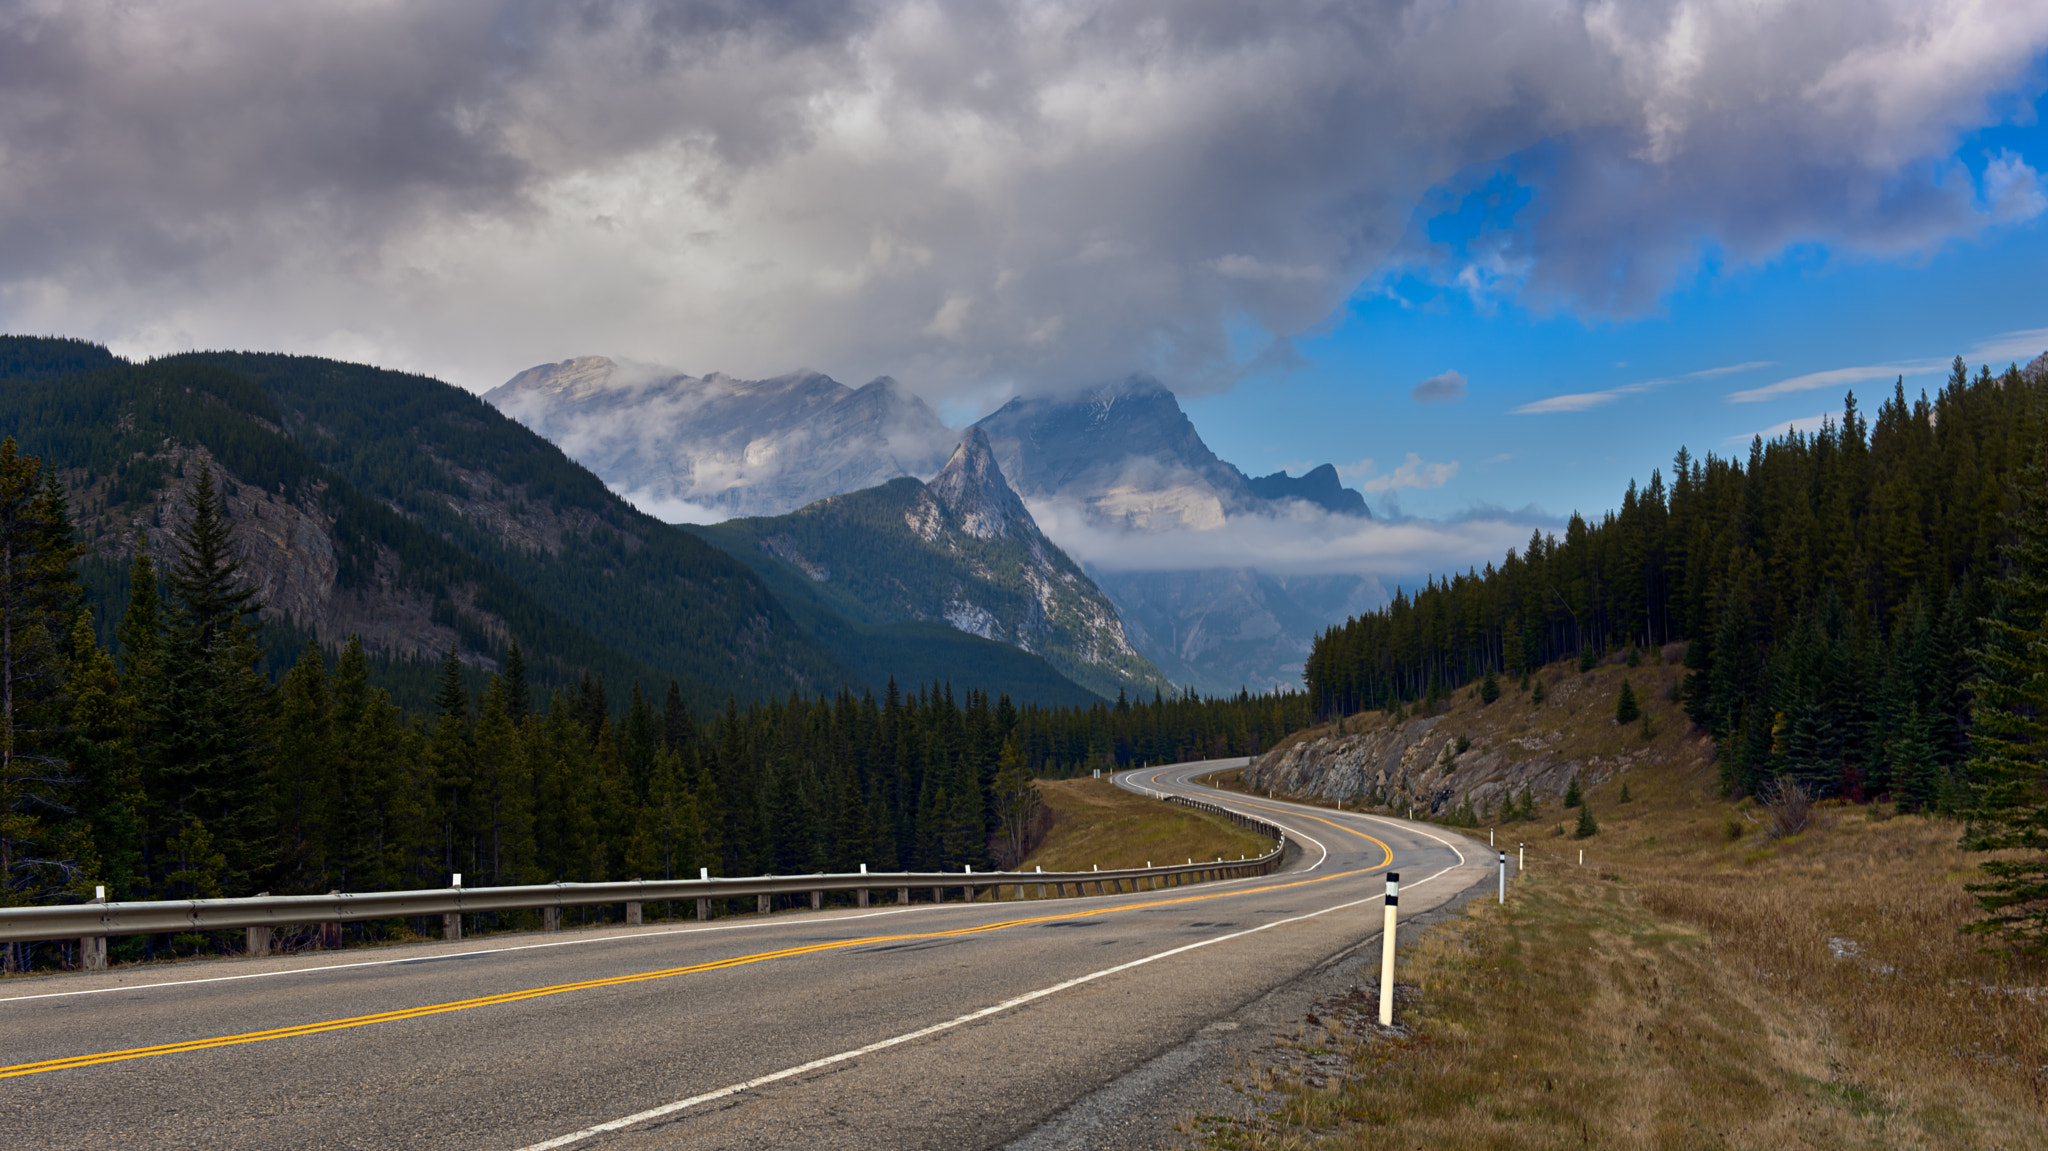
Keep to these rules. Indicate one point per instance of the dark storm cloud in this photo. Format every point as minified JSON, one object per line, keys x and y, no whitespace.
{"x":964,"y":196}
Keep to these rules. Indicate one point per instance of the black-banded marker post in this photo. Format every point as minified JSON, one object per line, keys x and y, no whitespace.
{"x":1387,"y":951}
{"x":1503,"y":876}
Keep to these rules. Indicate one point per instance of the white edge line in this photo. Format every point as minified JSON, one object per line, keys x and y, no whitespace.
{"x":652,"y":1113}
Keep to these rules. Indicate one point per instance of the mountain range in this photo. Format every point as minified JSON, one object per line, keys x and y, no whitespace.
{"x":697,"y":448}
{"x":408,"y":512}
{"x":1123,"y":457}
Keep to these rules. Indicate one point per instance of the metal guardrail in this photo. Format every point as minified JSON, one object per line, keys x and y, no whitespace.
{"x":95,"y":921}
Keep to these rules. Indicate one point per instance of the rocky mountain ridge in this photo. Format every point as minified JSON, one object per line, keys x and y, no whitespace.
{"x":1125,"y":454}
{"x":690,"y":448}
{"x":962,"y":550}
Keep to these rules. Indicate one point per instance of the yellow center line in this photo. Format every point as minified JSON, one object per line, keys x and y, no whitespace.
{"x":638,"y":977}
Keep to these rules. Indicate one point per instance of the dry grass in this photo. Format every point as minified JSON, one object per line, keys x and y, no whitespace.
{"x":1686,"y":989}
{"x":1096,"y":823}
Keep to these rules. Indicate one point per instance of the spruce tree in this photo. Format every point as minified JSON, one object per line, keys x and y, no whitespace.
{"x":1626,"y":709}
{"x":450,"y":760}
{"x":1489,"y":687}
{"x":207,"y":727}
{"x":2009,"y":733}
{"x":518,"y":695}
{"x":38,"y":603}
{"x":1536,"y":691}
{"x":1573,"y":797}
{"x":1587,"y":827}
{"x":304,"y":786}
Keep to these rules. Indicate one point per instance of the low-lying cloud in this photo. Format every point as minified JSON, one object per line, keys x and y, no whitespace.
{"x":1029,"y":194}
{"x":1298,"y":540}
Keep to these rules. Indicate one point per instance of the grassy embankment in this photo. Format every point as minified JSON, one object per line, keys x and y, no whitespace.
{"x":1696,"y":984}
{"x":1097,"y":824}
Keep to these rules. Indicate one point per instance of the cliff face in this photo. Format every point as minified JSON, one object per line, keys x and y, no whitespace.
{"x":289,"y":554}
{"x":1417,"y":765}
{"x":1514,"y":744}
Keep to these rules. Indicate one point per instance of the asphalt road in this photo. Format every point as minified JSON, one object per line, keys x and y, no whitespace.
{"x":933,"y":1026}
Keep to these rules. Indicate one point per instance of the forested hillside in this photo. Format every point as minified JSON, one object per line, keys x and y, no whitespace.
{"x":1829,"y":589}
{"x":177,"y":770}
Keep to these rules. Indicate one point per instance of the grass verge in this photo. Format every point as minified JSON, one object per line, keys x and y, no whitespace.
{"x":1097,"y":824}
{"x":1694,"y":984}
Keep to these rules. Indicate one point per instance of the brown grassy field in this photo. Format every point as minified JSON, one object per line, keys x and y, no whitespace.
{"x":1694,"y":984}
{"x":1096,"y":823}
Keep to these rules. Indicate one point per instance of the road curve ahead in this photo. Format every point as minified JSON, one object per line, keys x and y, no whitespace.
{"x":934,"y":1026}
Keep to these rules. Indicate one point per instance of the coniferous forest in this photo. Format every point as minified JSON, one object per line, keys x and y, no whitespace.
{"x":171,"y":767}
{"x":1862,"y":613}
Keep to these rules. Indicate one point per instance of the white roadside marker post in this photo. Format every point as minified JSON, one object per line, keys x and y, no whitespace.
{"x":1387,"y":951}
{"x":1521,"y":857}
{"x":1503,"y":876}
{"x":451,"y":924}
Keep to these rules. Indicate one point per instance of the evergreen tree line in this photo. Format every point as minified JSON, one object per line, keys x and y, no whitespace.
{"x":171,"y":767}
{"x":1831,"y":591}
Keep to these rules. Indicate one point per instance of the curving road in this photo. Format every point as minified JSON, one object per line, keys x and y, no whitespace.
{"x":933,"y":1026}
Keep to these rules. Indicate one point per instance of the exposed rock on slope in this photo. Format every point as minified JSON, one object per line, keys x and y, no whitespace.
{"x":1512,"y":745}
{"x":962,"y":550}
{"x":688,"y":448}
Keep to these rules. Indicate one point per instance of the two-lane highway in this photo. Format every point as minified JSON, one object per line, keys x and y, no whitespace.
{"x":939,"y":1026}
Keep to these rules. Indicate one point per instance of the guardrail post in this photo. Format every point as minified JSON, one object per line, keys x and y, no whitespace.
{"x":761,"y":904}
{"x":451,"y":923}
{"x":632,"y":914}
{"x":259,"y":941}
{"x":903,"y":896}
{"x":550,"y":919}
{"x":703,"y":909}
{"x":817,"y":900}
{"x":330,"y":933}
{"x":938,"y":895}
{"x":92,"y":949}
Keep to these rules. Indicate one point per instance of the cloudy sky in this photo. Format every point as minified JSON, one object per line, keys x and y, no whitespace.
{"x":1478,"y":253}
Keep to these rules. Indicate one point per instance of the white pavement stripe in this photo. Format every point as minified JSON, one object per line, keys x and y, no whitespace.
{"x":665,"y":1109}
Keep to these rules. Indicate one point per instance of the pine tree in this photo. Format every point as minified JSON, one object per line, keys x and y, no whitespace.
{"x":1573,"y":797}
{"x":450,"y":758}
{"x":1536,"y":692}
{"x":38,"y":603}
{"x":1489,"y":687}
{"x":518,"y":696}
{"x":503,"y":790}
{"x":1625,"y":797}
{"x":1586,"y":828}
{"x":206,"y":723}
{"x":2009,"y":733}
{"x":1626,"y":710}
{"x":109,"y":798}
{"x":304,"y":785}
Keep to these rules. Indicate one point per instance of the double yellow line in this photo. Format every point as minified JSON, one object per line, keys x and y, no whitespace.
{"x":622,"y":980}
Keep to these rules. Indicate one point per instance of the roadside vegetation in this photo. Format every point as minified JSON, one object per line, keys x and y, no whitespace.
{"x":1094,"y":823}
{"x":1749,"y":972}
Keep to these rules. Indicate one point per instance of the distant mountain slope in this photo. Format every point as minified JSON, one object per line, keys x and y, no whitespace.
{"x":685,"y":447}
{"x":1319,"y":486}
{"x":962,"y":550}
{"x":1130,"y":459}
{"x":406,"y":510}
{"x":1224,"y":628}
